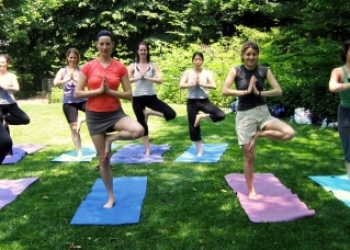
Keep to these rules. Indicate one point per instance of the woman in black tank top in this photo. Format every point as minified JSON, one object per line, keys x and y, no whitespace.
{"x":253,"y":118}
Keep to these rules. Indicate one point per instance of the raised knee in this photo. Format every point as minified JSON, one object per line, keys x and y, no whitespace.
{"x":290,"y":134}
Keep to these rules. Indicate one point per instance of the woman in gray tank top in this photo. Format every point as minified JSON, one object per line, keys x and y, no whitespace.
{"x":144,"y":73}
{"x":340,"y":82}
{"x":197,"y":81}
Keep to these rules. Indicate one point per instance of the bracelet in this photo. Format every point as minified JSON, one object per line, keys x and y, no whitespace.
{"x":259,"y":93}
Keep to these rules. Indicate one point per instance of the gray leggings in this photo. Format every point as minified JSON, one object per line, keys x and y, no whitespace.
{"x":344,"y":130}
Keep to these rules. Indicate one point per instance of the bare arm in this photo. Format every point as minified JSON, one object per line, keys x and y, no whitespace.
{"x":59,"y":80}
{"x":210,"y":84}
{"x":80,"y":91}
{"x":14,"y":81}
{"x":335,"y":82}
{"x":157,"y":78}
{"x":226,"y":88}
{"x":131,"y":69}
{"x":127,"y":91}
{"x":184,"y":84}
{"x":276,"y":88}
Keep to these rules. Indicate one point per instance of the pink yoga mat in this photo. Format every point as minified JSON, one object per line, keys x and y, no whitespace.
{"x":275,"y":202}
{"x":10,"y":189}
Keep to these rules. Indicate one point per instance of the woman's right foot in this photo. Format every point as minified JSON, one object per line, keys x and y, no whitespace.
{"x":110,"y":203}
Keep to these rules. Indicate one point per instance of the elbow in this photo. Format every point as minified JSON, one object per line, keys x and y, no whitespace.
{"x":332,"y":89}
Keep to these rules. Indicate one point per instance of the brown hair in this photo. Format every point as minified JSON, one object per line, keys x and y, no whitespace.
{"x":7,"y":57}
{"x":248,"y":45}
{"x":74,"y":51}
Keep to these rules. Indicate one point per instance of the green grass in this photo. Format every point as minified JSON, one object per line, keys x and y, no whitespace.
{"x":187,"y":206}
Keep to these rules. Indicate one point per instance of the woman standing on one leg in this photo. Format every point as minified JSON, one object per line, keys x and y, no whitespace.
{"x":144,"y":73}
{"x":198,"y":81}
{"x":10,"y":112}
{"x":8,"y":85}
{"x":102,"y":76}
{"x":340,"y":82}
{"x":68,"y":77}
{"x":253,"y":118}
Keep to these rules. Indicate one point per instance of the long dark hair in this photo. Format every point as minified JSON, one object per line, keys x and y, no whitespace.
{"x":344,"y":50}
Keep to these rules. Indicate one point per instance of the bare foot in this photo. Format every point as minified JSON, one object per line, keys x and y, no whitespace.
{"x":198,"y":119}
{"x":110,"y":203}
{"x":253,"y":142}
{"x":146,"y":114}
{"x":200,"y":153}
{"x":252,"y":196}
{"x":148,"y":152}
{"x":80,"y":154}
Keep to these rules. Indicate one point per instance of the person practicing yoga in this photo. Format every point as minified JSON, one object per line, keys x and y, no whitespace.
{"x":253,"y":118}
{"x":198,"y":81}
{"x":104,"y":113}
{"x":340,"y":82}
{"x":144,"y":74}
{"x":68,"y":77}
{"x":10,"y":112}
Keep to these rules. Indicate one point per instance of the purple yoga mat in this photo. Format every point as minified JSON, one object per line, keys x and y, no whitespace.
{"x":29,"y":148}
{"x":10,"y":189}
{"x":18,"y":154}
{"x":135,"y":153}
{"x":275,"y":202}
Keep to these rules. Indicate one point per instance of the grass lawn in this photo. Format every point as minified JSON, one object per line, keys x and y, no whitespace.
{"x":187,"y":206}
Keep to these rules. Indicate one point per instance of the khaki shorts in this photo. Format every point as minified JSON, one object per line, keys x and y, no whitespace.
{"x":250,"y":121}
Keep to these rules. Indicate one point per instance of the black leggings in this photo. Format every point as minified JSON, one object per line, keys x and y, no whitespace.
{"x":5,"y":143}
{"x":13,"y":114}
{"x":204,"y":105}
{"x":139,"y":103}
{"x":70,"y":110}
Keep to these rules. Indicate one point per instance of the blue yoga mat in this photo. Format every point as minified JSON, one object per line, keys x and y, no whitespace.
{"x":211,"y":153}
{"x":129,"y":192}
{"x":135,"y":153}
{"x":339,"y":185}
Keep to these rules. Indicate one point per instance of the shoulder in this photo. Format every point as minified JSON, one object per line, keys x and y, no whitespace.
{"x":338,"y":71}
{"x":263,"y":70}
{"x":12,"y":75}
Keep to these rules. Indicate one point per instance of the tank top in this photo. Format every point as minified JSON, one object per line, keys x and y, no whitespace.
{"x":345,"y":94}
{"x":198,"y":92}
{"x":144,"y":87}
{"x":6,"y":97}
{"x":242,"y":80}
{"x":68,"y":89}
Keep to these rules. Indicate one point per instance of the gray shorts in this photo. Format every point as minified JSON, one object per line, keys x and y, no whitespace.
{"x":248,"y":122}
{"x":103,"y":122}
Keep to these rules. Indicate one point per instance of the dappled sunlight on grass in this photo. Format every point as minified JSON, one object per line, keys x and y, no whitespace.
{"x":187,"y":205}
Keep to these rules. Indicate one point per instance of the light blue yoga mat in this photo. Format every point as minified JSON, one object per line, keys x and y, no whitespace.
{"x":129,"y":192}
{"x":339,"y":185}
{"x":89,"y":152}
{"x":135,"y":153}
{"x":211,"y":153}
{"x":88,"y":155}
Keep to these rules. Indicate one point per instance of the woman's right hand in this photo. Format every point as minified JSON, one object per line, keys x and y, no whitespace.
{"x":101,"y":89}
{"x":251,"y":86}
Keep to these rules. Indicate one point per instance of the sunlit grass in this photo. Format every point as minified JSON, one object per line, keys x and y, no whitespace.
{"x":187,"y":205}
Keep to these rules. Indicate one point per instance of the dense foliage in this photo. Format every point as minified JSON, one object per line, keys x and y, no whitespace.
{"x":299,"y":39}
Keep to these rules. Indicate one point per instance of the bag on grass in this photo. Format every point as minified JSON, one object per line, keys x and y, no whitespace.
{"x":302,"y":116}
